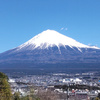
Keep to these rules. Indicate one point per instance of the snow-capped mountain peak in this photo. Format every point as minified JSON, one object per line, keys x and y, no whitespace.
{"x":50,"y":49}
{"x":50,"y":38}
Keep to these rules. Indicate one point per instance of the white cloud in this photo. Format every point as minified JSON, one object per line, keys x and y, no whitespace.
{"x":89,"y":44}
{"x":64,"y":28}
{"x":61,"y":28}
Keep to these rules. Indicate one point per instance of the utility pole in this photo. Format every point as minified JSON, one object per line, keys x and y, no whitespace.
{"x":67,"y":91}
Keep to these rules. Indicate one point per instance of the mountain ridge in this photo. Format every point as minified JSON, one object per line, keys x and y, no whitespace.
{"x":53,"y":49}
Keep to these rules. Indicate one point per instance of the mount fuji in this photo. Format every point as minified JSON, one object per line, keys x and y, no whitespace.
{"x":50,"y":48}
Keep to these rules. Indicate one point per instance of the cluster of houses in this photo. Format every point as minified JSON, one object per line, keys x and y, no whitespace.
{"x":79,"y":94}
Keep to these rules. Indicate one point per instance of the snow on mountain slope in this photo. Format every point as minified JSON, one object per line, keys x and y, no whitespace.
{"x":51,"y":47}
{"x":50,"y":38}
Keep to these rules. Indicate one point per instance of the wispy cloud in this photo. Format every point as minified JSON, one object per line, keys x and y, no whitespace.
{"x":61,"y":28}
{"x":64,"y":28}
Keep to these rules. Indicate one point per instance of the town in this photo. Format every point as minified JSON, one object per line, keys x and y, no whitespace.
{"x":84,"y":86}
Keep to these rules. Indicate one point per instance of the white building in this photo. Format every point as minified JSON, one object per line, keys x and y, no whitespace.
{"x":72,"y":80}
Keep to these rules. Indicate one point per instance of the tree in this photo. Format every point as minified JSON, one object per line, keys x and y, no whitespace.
{"x":97,"y":98}
{"x":17,"y":96}
{"x":5,"y":90}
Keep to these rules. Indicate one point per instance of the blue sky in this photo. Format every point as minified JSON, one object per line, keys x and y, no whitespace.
{"x":20,"y":20}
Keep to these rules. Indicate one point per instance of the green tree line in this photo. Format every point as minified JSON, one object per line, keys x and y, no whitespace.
{"x":5,"y":90}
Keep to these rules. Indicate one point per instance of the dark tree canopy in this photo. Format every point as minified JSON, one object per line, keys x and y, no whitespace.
{"x":5,"y":90}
